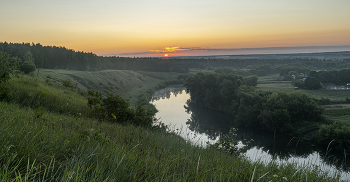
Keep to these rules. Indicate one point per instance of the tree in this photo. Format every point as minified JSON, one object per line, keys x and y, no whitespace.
{"x":7,"y":65}
{"x":251,"y":80}
{"x":283,"y":111}
{"x":28,"y":65}
{"x":312,"y":83}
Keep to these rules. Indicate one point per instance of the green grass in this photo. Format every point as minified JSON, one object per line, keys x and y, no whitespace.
{"x":341,"y":116}
{"x":272,"y":83}
{"x":29,"y":91}
{"x":127,"y":83}
{"x":65,"y":148}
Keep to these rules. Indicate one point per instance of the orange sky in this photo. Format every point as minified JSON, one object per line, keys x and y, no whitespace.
{"x":136,"y":27}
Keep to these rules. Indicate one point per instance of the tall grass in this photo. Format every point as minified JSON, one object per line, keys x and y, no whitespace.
{"x":30,"y":92}
{"x":66,"y":148}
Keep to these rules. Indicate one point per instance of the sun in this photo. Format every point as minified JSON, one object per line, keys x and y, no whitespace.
{"x":165,"y":55}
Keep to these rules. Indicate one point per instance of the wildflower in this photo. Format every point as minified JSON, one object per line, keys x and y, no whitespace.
{"x":275,"y":176}
{"x":284,"y":178}
{"x":67,"y":103}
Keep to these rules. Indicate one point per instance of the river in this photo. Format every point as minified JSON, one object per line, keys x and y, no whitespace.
{"x":200,"y":125}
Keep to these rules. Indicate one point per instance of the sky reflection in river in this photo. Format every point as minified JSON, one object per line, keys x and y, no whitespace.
{"x":199,"y":125}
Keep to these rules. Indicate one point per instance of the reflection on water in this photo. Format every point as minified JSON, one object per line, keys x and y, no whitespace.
{"x":200,"y":125}
{"x":167,"y":92}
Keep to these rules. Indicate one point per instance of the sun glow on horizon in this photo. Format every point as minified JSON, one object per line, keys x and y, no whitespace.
{"x":166,"y":55}
{"x":134,"y":28}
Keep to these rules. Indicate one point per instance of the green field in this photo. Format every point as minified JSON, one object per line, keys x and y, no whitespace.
{"x":272,"y":83}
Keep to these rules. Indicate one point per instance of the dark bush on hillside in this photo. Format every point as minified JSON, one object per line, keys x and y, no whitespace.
{"x":115,"y":109}
{"x":27,"y":68}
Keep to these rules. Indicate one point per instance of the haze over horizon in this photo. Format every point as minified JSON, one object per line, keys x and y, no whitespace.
{"x":179,"y":28}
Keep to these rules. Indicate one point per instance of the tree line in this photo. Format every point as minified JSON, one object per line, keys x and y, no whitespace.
{"x":58,"y":57}
{"x":229,"y":93}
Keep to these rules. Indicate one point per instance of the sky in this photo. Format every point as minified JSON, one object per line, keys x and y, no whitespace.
{"x":179,"y":27}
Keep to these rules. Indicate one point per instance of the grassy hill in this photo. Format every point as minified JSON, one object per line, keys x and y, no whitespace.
{"x":127,"y":83}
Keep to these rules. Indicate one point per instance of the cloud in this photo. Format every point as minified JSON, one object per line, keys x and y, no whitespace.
{"x":171,"y":49}
{"x":197,"y":51}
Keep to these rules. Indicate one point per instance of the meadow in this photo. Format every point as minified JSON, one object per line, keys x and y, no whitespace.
{"x":52,"y":139}
{"x":272,"y":82}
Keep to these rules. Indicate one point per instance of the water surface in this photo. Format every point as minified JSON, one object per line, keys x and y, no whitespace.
{"x":200,"y":125}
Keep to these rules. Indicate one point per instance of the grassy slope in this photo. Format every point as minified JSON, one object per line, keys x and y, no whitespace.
{"x":129,"y":84}
{"x":67,"y":148}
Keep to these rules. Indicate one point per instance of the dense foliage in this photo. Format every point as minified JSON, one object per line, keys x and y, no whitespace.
{"x":115,"y":109}
{"x":280,"y":111}
{"x":215,"y":91}
{"x":7,"y":65}
{"x":339,"y":77}
{"x":251,"y":80}
{"x":335,"y":135}
{"x":283,"y":112}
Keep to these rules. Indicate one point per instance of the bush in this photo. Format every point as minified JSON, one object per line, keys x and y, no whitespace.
{"x":27,"y":68}
{"x":7,"y":65}
{"x":299,"y":83}
{"x":68,"y":83}
{"x":115,"y":109}
{"x":335,"y":135}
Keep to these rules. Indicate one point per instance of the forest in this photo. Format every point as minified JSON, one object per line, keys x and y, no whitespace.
{"x":58,"y":57}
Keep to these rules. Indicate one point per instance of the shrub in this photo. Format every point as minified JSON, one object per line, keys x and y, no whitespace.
{"x":68,"y":83}
{"x":115,"y":109}
{"x":27,"y":68}
{"x":7,"y":65}
{"x":337,"y":134}
{"x":299,"y":83}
